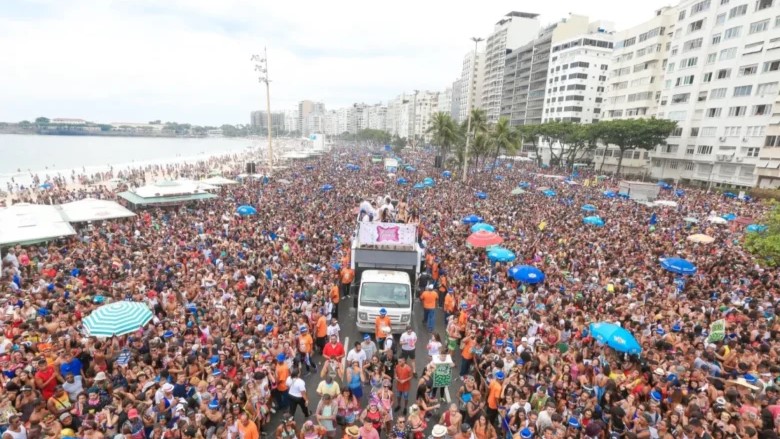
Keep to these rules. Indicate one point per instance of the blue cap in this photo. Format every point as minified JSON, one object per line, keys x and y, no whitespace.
{"x":281,"y":357}
{"x":366,"y":337}
{"x":246,"y":355}
{"x":500,"y":375}
{"x":98,"y":299}
{"x":574,"y":423}
{"x":671,"y":378}
{"x":382,"y":312}
{"x":660,"y":331}
{"x":216,"y":372}
{"x":526,"y":433}
{"x":656,"y":395}
{"x":499,"y":342}
{"x":519,"y":361}
{"x":464,"y":305}
{"x":733,"y":336}
{"x":214,"y":404}
{"x":214,"y":359}
{"x":303,"y":329}
{"x":750,"y":378}
{"x":676,"y":327}
{"x":189,"y":324}
{"x":269,"y":327}
{"x":168,"y":334}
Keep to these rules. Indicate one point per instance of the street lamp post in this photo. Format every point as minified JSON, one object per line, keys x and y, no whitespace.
{"x":261,"y":66}
{"x":476,"y":41}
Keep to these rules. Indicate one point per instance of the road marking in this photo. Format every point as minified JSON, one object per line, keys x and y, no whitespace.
{"x":447,"y":395}
{"x":344,"y":360}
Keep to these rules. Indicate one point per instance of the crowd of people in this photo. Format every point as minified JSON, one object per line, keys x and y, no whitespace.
{"x":246,"y":313}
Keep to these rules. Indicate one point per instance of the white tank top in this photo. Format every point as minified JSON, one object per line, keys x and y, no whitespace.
{"x":17,"y":434}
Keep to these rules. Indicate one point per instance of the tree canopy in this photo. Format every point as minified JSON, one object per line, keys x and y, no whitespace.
{"x":766,"y":245}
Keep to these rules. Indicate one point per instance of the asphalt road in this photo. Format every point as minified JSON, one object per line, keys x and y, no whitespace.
{"x":349,"y":334}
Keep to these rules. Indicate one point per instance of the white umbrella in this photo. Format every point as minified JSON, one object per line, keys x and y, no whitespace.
{"x":717,"y":220}
{"x":667,"y":203}
{"x":284,"y":181}
{"x":701,"y":238}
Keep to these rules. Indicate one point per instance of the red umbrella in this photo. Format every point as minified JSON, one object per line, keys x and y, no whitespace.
{"x":483,"y":238}
{"x":379,"y":183}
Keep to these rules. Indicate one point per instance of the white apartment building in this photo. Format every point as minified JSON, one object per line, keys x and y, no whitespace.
{"x":720,"y":86}
{"x":768,"y":167}
{"x":331,"y":123}
{"x":444,"y":102}
{"x":291,"y":120}
{"x":426,"y":104}
{"x":399,"y":115}
{"x":514,"y":30}
{"x":471,"y":80}
{"x":377,"y":117}
{"x":636,"y":78}
{"x":456,"y":100}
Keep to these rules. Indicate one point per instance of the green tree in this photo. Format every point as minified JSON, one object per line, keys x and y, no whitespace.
{"x":553,"y":133}
{"x":480,"y":147}
{"x":766,"y":245}
{"x":42,"y":121}
{"x":629,"y":134}
{"x":398,"y":143}
{"x":445,"y":132}
{"x":530,"y":133}
{"x":503,"y":138}
{"x":25,"y":124}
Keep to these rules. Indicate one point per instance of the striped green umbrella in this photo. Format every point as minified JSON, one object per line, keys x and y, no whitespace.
{"x":118,"y":318}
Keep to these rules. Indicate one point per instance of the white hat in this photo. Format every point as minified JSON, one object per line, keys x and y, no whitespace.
{"x":439,"y":431}
{"x":101,"y":376}
{"x":167,"y":387}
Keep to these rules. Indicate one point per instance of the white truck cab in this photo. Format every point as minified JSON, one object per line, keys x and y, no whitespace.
{"x":391,"y":290}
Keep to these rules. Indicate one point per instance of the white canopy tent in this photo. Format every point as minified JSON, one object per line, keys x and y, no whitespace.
{"x":218,"y":180}
{"x":171,"y":188}
{"x":90,"y":209}
{"x":32,"y":223}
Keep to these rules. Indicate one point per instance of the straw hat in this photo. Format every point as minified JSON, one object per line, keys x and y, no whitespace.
{"x":439,"y":431}
{"x":352,"y":431}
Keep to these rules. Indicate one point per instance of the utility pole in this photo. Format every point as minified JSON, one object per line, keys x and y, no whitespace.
{"x":261,"y":66}
{"x":476,"y":41}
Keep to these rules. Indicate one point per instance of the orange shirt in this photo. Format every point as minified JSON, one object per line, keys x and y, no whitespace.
{"x":282,"y":373}
{"x":322,"y":327}
{"x":334,"y":294}
{"x":347,"y":275}
{"x":449,"y":303}
{"x":435,"y":271}
{"x":494,"y":393}
{"x":248,"y":431}
{"x":463,"y":318}
{"x":403,"y":373}
{"x":379,"y":323}
{"x":429,"y":298}
{"x":305,"y":343}
{"x":466,"y":351}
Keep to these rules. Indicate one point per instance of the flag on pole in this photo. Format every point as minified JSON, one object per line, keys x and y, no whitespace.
{"x":717,"y":331}
{"x":653,"y":219}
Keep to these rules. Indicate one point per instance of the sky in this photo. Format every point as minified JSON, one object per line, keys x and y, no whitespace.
{"x":190,"y":60}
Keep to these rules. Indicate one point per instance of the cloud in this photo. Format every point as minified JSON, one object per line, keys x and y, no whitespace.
{"x":137,"y":60}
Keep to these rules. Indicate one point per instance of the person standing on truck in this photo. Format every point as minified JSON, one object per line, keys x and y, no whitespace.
{"x":347,"y":276}
{"x":382,"y":320}
{"x":429,"y":299}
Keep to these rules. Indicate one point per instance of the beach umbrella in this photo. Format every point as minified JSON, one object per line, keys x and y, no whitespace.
{"x":756,"y":228}
{"x":679,"y":192}
{"x":308,"y":167}
{"x":589,"y":208}
{"x":471,"y":219}
{"x":517,"y":191}
{"x":500,"y":254}
{"x":326,"y":187}
{"x":678,"y":266}
{"x":482,"y":226}
{"x":524,"y":184}
{"x":428,"y":181}
{"x":549,"y":193}
{"x":616,"y":337}
{"x":246,"y":210}
{"x":419,"y":186}
{"x":701,"y":238}
{"x":402,"y":181}
{"x":118,"y":318}
{"x":481,"y":195}
{"x":410,"y":168}
{"x":284,"y":181}
{"x":729,"y":217}
{"x":47,"y":186}
{"x":717,"y":220}
{"x":666,"y":203}
{"x":484,"y":238}
{"x":692,"y":220}
{"x":499,"y":177}
{"x":526,"y":274}
{"x":378,"y":183}
{"x":729,"y":195}
{"x":446,"y":174}
{"x":610,"y":194}
{"x":664,"y":185}
{"x":593,"y":221}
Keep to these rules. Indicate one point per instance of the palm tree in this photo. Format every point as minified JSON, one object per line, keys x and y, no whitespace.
{"x":503,"y":137}
{"x":445,"y":132}
{"x":480,"y":147}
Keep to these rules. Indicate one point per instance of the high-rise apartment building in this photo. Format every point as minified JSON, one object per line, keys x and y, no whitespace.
{"x":305,"y":109}
{"x":514,"y":30}
{"x":444,"y":102}
{"x":768,"y":167}
{"x":636,"y":78}
{"x":425,"y":106}
{"x":456,"y":100}
{"x":377,"y":117}
{"x":721,"y":85}
{"x":471,"y":80}
{"x":259,"y":120}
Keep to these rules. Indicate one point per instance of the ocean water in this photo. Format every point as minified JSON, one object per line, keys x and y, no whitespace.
{"x":21,"y":155}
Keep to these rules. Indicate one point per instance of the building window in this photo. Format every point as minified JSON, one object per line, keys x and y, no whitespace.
{"x":748,"y":70}
{"x":689,"y":150}
{"x":692,"y":44}
{"x":694,"y":132}
{"x":713,"y":112}
{"x":763,"y":4}
{"x":696,"y":25}
{"x":732,"y":131}
{"x":720,"y":19}
{"x":755,"y":131}
{"x":727,"y":54}
{"x":737,"y":111}
{"x":738,"y":11}
{"x":723,"y":74}
{"x":752,"y":152}
{"x":743,"y":90}
{"x":715,"y":39}
{"x":711,"y":58}
{"x":669,"y":149}
{"x":688,"y":62}
{"x":762,"y":110}
{"x":677,"y":132}
{"x":708,"y":131}
{"x":772,"y":141}
{"x":699,"y":7}
{"x":718,"y":93}
{"x":689,"y":166}
{"x":681,"y":15}
{"x":673,"y":164}
{"x":684,"y":80}
{"x":707,"y":77}
{"x":704,"y":149}
{"x":771,"y":66}
{"x":759,"y":26}
{"x":768,"y":88}
{"x":681,"y":98}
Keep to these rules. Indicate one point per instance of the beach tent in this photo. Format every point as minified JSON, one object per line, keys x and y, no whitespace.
{"x":219,"y":180}
{"x":91,"y":209}
{"x":32,"y":223}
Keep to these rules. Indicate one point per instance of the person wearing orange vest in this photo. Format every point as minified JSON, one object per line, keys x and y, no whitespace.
{"x":321,"y":331}
{"x":334,"y":299}
{"x":282,"y":373}
{"x":305,"y":346}
{"x":494,"y":394}
{"x":382,"y":320}
{"x":347,"y":275}
{"x":429,"y":299}
{"x":449,"y":305}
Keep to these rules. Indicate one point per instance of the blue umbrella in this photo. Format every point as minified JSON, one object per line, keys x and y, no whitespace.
{"x":549,"y":193}
{"x":388,"y":148}
{"x":419,"y":186}
{"x":678,"y":266}
{"x":616,"y":337}
{"x":729,"y":195}
{"x":481,"y":195}
{"x":428,"y":181}
{"x":664,"y":185}
{"x":756,"y":228}
{"x":410,"y":168}
{"x":729,"y":217}
{"x":401,"y":181}
{"x":326,"y":187}
{"x":526,"y":274}
{"x":446,"y":174}
{"x":679,"y":192}
{"x":471,"y":219}
{"x":610,"y":194}
{"x":499,"y":177}
{"x":589,"y":208}
{"x":47,"y":186}
{"x":308,"y":167}
{"x":246,"y":210}
{"x":524,"y":184}
{"x":482,"y":226}
{"x":593,"y":221}
{"x":500,"y":254}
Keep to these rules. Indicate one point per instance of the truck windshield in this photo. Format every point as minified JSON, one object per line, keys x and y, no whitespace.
{"x":385,"y":295}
